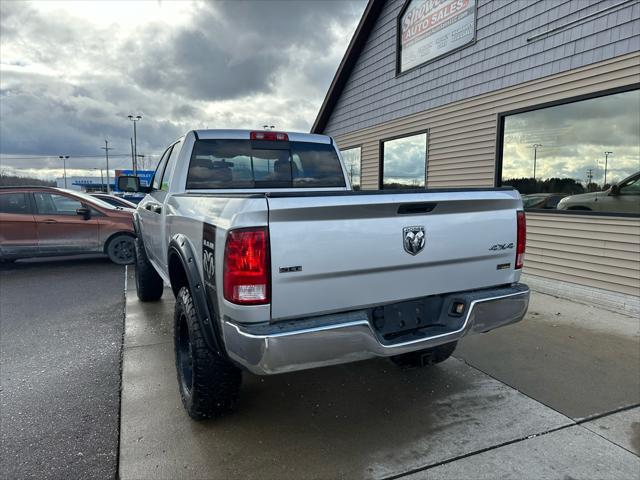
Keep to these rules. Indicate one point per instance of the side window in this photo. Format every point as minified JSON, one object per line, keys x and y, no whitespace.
{"x":157,"y":177}
{"x":16,"y":203}
{"x":164,"y":184}
{"x":631,"y":187}
{"x":53,"y":204}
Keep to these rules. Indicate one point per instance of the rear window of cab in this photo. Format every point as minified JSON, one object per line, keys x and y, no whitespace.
{"x":220,"y":164}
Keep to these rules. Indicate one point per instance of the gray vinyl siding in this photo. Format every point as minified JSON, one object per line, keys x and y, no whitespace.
{"x":500,"y":58}
{"x":597,"y":252}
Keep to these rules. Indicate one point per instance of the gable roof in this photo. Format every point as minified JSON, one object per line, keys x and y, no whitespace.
{"x":359,"y":39}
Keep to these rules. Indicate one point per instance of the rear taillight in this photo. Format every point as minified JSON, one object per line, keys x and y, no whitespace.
{"x":522,"y":239}
{"x":246,"y":266}
{"x":270,"y":136}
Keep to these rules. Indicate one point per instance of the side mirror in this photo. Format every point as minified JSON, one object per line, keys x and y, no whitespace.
{"x":615,"y":190}
{"x":85,"y":212}
{"x":128,"y":183}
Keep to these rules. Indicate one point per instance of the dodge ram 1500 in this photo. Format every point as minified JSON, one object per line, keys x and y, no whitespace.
{"x":277,"y":265}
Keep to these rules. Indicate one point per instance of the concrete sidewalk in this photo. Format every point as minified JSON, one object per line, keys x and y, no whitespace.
{"x":368,"y":419}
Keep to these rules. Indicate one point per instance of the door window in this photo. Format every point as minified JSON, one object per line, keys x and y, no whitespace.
{"x":15,"y":203}
{"x":157,"y":177}
{"x":631,"y":187}
{"x":54,"y":204}
{"x":164,"y":184}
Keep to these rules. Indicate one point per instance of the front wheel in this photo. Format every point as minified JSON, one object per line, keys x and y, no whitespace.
{"x":209,"y":384}
{"x":121,"y":249}
{"x":423,"y":358}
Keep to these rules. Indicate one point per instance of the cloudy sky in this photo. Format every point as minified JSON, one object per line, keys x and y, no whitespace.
{"x":71,"y":72}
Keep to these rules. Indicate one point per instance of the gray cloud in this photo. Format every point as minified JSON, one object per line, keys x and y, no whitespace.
{"x":69,"y":82}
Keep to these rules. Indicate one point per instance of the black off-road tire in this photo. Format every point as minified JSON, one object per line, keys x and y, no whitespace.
{"x":426,"y":357}
{"x":121,"y":249}
{"x":148,"y":283}
{"x":209,"y":383}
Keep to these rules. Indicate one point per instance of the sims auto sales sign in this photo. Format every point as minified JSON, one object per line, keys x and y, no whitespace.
{"x":431,"y":28}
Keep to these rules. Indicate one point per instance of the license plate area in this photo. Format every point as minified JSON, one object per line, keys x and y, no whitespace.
{"x":413,"y":319}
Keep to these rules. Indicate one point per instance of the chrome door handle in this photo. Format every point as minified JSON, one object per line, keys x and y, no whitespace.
{"x":49,"y":220}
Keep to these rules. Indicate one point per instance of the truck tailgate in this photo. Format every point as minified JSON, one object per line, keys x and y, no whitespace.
{"x":333,"y":253}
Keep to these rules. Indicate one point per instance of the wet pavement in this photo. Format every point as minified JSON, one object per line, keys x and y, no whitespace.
{"x":532,"y":400}
{"x":61,"y":326}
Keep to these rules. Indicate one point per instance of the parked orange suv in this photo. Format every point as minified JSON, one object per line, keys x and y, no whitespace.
{"x":45,"y":221}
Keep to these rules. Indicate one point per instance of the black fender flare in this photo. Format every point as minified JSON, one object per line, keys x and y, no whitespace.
{"x":180,"y":246}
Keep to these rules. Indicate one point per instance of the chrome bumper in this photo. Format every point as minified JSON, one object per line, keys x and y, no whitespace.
{"x":347,"y":337}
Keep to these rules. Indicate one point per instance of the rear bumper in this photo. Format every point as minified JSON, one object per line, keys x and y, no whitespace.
{"x":347,"y":337}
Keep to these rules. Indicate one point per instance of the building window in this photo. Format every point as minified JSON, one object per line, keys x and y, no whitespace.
{"x":352,"y":162}
{"x":404,"y":162}
{"x":579,"y":156}
{"x":429,"y":29}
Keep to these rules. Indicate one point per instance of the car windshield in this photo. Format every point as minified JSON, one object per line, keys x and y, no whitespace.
{"x":256,"y":164}
{"x":89,"y":198}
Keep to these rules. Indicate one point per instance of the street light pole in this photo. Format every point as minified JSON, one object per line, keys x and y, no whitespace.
{"x":64,"y":166}
{"x":535,"y":157}
{"x":106,"y":149}
{"x":606,"y":160}
{"x":135,"y":119}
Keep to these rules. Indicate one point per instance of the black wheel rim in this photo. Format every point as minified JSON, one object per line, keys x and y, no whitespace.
{"x":123,"y":250}
{"x":185,"y":356}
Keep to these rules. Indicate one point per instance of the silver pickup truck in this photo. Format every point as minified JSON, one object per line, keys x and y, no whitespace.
{"x":277,"y":265}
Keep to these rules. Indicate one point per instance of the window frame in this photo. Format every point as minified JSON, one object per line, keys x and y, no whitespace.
{"x":381,"y":143}
{"x":578,"y":98}
{"x":359,"y":146}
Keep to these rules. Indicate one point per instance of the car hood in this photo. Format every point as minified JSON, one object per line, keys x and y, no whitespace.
{"x":582,"y":197}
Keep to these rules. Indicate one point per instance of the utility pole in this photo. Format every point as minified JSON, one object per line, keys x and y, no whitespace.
{"x":106,"y":149}
{"x":64,"y":166}
{"x":606,"y":160}
{"x":535,"y":155}
{"x":589,"y":177}
{"x":135,"y":119}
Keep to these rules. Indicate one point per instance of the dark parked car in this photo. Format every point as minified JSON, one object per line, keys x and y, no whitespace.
{"x":548,"y":201}
{"x":46,"y":221}
{"x":113,"y":200}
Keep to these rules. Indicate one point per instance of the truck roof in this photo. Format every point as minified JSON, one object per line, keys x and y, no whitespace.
{"x":231,"y":134}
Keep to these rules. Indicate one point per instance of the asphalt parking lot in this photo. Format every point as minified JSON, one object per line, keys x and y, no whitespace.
{"x":556,"y":396}
{"x":61,"y":325}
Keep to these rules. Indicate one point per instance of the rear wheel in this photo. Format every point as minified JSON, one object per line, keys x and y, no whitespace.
{"x":148,"y":283}
{"x":209,"y":384}
{"x":426,"y":357}
{"x":121,"y":249}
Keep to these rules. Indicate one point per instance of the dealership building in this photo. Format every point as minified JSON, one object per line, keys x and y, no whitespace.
{"x":541,"y":95}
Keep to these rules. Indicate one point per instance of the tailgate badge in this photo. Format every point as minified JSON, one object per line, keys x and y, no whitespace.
{"x":413,"y":239}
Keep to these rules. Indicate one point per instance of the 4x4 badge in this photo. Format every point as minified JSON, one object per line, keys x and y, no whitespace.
{"x":413,"y":239}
